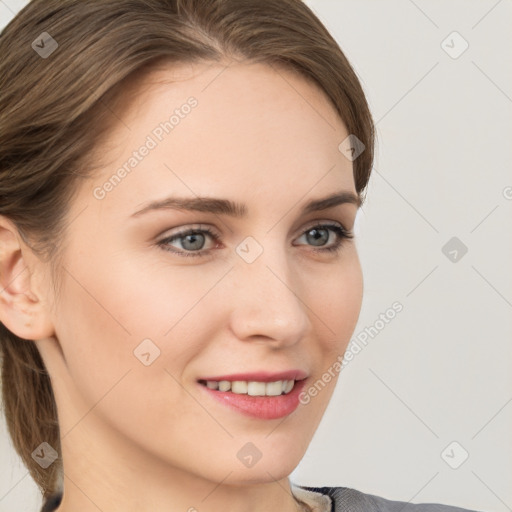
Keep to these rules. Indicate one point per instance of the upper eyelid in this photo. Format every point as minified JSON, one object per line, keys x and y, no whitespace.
{"x":200,"y":227}
{"x":216,"y":236}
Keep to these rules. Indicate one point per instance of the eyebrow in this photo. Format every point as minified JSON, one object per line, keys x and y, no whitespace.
{"x":238,"y":210}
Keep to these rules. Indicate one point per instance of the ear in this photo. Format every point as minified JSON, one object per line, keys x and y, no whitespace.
{"x":23,"y":306}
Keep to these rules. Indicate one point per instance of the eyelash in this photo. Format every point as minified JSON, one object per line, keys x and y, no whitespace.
{"x":338,"y":229}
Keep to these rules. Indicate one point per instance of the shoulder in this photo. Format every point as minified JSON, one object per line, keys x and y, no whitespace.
{"x":350,"y":500}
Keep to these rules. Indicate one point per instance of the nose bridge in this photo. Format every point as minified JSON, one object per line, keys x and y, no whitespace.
{"x":266,"y":302}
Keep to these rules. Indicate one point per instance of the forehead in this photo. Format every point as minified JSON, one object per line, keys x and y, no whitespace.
{"x":223,"y":127}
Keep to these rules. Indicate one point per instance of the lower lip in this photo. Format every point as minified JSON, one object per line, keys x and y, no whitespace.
{"x":264,"y":407}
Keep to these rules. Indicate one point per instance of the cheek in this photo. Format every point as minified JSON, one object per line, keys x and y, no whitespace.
{"x":338,"y":304}
{"x":101,"y":326}
{"x":95,"y":345}
{"x":157,"y":299}
{"x":110,"y":316}
{"x":336,"y":312}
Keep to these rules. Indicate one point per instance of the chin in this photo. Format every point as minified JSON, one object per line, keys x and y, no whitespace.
{"x":260,"y":475}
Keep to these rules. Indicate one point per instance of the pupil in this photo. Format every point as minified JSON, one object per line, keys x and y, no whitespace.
{"x":318,"y":236}
{"x":193,"y":239}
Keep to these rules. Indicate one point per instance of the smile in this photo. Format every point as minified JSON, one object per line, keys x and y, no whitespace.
{"x":251,"y":388}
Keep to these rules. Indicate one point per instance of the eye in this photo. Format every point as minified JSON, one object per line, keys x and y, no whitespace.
{"x":319,"y":236}
{"x":191,"y":241}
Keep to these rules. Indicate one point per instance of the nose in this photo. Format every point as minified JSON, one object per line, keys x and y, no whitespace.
{"x":266,"y":301}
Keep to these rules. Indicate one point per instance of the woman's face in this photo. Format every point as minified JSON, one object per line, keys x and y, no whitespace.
{"x":138,"y":323}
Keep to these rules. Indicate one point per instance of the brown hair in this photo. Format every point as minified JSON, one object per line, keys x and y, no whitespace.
{"x":54,"y":109}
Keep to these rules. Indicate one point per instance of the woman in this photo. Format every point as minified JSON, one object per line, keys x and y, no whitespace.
{"x":179,"y":186}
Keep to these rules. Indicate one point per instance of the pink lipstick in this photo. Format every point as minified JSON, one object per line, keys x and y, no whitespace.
{"x":259,"y":394}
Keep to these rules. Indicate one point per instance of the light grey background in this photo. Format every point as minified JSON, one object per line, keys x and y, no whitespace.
{"x":440,"y":371}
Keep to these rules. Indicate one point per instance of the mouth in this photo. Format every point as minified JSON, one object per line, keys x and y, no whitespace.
{"x":262,"y":395}
{"x":251,"y":387}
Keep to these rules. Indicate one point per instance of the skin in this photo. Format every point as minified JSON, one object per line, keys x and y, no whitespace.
{"x":138,"y":437}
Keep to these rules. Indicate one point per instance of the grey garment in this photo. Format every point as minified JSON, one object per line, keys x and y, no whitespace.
{"x":343,"y":500}
{"x":350,"y":500}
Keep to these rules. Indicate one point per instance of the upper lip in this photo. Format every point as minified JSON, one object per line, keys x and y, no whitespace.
{"x":261,"y":376}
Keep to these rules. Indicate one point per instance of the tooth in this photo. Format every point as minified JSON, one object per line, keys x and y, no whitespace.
{"x":256,"y":388}
{"x":274,"y":388}
{"x":253,"y":388}
{"x":239,"y":386}
{"x":224,"y":385}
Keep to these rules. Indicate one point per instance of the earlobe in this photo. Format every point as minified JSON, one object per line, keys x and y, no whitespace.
{"x":22,"y":307}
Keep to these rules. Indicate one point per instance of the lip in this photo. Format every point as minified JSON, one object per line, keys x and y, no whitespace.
{"x":261,"y":407}
{"x":262,"y":376}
